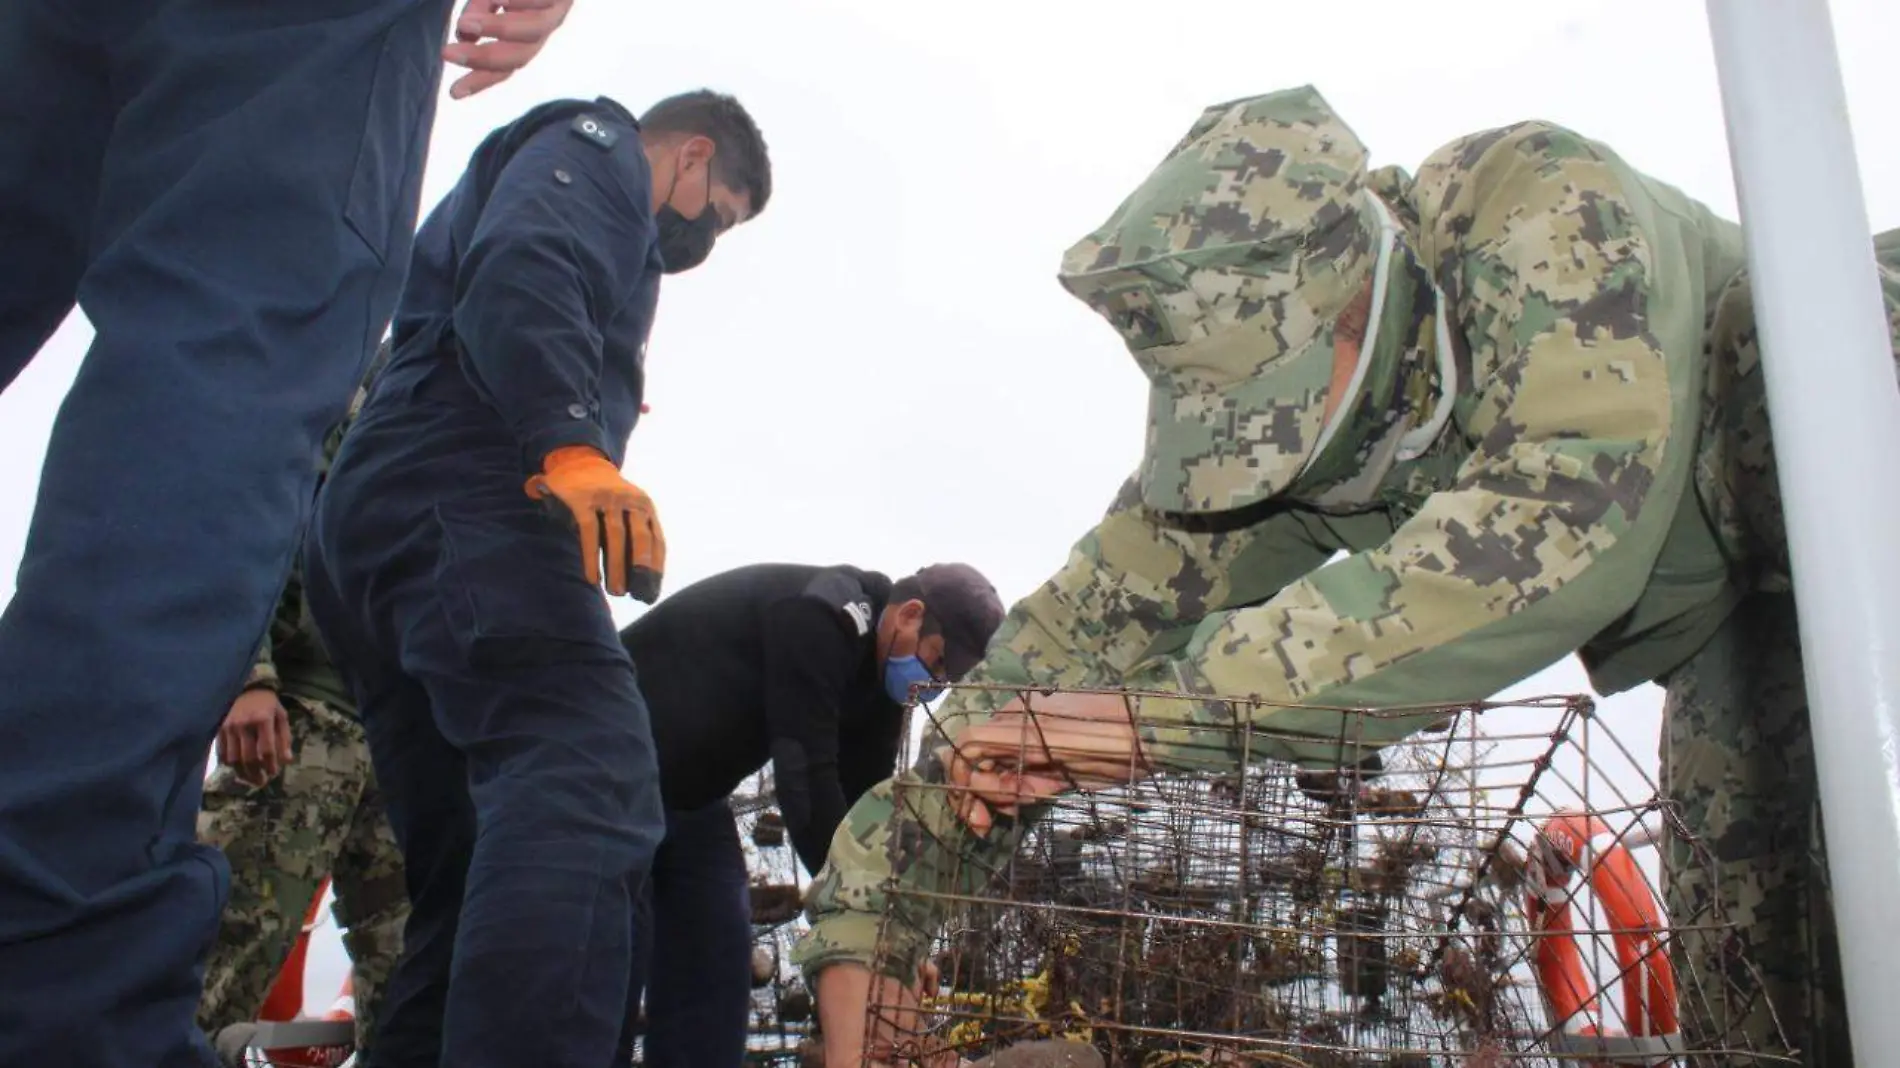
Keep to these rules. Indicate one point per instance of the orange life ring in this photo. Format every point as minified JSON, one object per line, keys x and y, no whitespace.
{"x":1567,"y":843}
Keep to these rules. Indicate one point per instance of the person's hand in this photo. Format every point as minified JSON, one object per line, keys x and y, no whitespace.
{"x":1070,"y":741}
{"x":615,"y":519}
{"x":929,"y":979}
{"x":254,"y":741}
{"x":495,"y":38}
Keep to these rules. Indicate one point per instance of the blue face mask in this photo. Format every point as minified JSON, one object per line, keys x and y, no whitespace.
{"x":903,"y":672}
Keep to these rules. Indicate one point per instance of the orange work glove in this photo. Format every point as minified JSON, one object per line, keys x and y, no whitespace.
{"x":614,"y":516}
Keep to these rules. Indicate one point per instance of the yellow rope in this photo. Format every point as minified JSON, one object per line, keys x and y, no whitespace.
{"x":1027,"y":999}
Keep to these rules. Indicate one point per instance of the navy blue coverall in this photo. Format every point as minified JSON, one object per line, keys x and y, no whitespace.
{"x":228,"y":190}
{"x":692,"y":931}
{"x":508,"y":734}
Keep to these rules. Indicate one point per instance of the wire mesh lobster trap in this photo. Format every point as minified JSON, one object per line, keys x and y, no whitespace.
{"x":1483,"y":893}
{"x":783,"y":1011}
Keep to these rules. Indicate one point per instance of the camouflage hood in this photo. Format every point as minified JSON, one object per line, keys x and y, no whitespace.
{"x":1224,"y":273}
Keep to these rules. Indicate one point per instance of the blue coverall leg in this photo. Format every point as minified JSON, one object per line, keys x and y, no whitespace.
{"x":509,"y":737}
{"x":693,"y":945}
{"x":228,"y":192}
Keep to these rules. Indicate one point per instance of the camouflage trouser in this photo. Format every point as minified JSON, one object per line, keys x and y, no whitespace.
{"x":1737,"y":752}
{"x":323,"y":815}
{"x":1738,"y":760}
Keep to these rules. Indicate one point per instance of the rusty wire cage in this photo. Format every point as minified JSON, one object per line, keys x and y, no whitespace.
{"x":782,"y":1009}
{"x":1488,"y":897}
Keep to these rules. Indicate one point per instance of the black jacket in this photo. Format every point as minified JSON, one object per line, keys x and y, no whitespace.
{"x":775,"y":661}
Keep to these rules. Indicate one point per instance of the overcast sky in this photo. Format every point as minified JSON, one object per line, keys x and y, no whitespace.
{"x":882,"y":370}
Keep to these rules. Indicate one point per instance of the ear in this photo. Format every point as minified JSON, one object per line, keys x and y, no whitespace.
{"x":698,"y":149}
{"x":911,"y":611}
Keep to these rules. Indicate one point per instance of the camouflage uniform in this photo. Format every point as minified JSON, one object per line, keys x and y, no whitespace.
{"x":1553,"y":469}
{"x":323,"y":815}
{"x":1737,"y":753}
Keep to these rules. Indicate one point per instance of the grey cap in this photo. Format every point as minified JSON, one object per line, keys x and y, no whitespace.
{"x":964,"y":607}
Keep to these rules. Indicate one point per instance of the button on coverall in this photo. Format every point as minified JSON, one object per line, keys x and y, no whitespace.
{"x":507,"y":732}
{"x":228,"y":191}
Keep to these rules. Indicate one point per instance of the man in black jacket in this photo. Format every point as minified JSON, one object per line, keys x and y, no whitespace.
{"x":809,"y":667}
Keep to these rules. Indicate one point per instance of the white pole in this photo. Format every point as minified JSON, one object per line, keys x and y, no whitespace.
{"x":1835,"y":411}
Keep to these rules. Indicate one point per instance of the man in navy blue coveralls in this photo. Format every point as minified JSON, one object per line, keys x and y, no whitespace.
{"x":508,"y":734}
{"x":228,"y":190}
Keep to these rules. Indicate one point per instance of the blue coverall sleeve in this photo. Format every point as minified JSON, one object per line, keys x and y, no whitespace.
{"x":561,"y":243}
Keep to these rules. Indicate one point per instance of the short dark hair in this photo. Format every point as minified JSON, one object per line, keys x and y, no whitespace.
{"x":740,"y":162}
{"x":961,"y":605}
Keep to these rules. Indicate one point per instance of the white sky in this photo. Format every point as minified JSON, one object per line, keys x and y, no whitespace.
{"x":882,"y":370}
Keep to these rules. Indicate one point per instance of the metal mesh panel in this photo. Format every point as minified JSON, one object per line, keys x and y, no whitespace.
{"x":783,"y":1011}
{"x":1260,"y":915}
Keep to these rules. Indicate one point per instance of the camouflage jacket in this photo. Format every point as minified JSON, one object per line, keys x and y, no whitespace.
{"x":291,"y":658}
{"x":1553,"y":513}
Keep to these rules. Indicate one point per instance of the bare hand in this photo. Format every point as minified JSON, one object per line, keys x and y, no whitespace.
{"x":495,"y":38}
{"x":254,"y":741}
{"x":1069,"y":741}
{"x":929,"y":979}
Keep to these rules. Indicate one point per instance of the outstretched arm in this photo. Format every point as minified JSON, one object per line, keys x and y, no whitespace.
{"x":1132,"y":587}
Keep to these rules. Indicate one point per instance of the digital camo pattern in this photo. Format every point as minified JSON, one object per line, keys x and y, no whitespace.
{"x":1223,"y":274}
{"x":1532,"y":529}
{"x":322,"y":816}
{"x":1735,"y":469}
{"x":1738,"y":750}
{"x":1533,"y":524}
{"x":1738,"y":761}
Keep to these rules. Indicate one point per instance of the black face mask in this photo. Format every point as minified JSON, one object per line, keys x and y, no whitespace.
{"x":685,"y":243}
